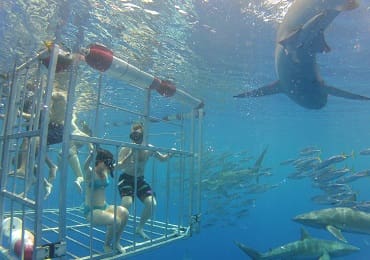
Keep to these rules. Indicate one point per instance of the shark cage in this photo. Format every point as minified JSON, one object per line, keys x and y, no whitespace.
{"x":58,"y":109}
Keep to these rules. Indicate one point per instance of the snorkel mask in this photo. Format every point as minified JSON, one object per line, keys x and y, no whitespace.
{"x":106,"y":157}
{"x":110,"y":163}
{"x":137,"y":137}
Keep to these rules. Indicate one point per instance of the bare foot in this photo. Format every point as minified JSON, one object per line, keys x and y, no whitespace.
{"x":20,"y":173}
{"x":141,"y":233}
{"x":120,"y":248}
{"x":107,"y":249}
{"x":48,"y":186}
{"x":78,"y":182}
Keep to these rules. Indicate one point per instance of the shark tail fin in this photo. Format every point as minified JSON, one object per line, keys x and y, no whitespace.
{"x":271,"y":89}
{"x":249,"y":251}
{"x":344,"y":94}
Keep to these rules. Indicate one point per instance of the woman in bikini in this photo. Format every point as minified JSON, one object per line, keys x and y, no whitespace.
{"x":97,"y":211}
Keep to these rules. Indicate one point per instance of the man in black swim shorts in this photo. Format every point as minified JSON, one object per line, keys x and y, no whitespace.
{"x":132,"y":162}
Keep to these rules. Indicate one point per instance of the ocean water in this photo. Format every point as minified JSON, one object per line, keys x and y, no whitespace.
{"x":215,"y":49}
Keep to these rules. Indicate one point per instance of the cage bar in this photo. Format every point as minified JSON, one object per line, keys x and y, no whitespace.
{"x":35,"y":227}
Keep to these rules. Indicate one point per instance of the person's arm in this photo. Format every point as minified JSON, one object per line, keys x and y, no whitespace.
{"x":77,"y":131}
{"x":162,"y":157}
{"x":25,"y":115}
{"x":123,"y":156}
{"x":74,"y":121}
{"x":87,"y":168}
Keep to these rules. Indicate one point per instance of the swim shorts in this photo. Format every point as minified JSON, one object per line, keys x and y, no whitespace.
{"x":126,"y":186}
{"x":55,"y":133}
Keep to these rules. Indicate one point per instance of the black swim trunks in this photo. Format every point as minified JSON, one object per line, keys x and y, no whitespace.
{"x":55,"y":133}
{"x":126,"y":186}
{"x":28,"y":101}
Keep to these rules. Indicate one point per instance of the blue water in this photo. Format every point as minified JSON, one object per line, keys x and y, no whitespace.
{"x":215,"y":49}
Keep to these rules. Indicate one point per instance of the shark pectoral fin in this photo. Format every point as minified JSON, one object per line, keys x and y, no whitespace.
{"x":249,"y":251}
{"x":291,"y":43}
{"x":319,"y":44}
{"x":292,"y":40}
{"x":344,"y":94}
{"x":325,"y":256}
{"x":298,"y":38}
{"x":267,"y":90}
{"x":336,"y":232}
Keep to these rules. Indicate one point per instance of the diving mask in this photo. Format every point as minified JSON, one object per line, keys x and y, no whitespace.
{"x":110,"y":163}
{"x":137,"y":137}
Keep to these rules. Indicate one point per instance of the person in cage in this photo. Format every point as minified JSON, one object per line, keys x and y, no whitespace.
{"x":132,"y":162}
{"x":57,"y":111}
{"x":96,"y":209}
{"x":21,"y":160}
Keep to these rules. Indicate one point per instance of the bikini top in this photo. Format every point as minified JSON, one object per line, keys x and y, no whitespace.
{"x":99,"y":183}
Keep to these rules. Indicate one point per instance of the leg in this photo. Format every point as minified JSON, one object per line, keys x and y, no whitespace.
{"x":122,"y":217}
{"x":108,"y":239}
{"x":103,"y":217}
{"x":74,"y":161}
{"x":126,"y":202}
{"x":48,"y":186}
{"x":53,"y":168}
{"x":24,"y":162}
{"x":149,"y":206}
{"x":106,"y":217}
{"x":21,"y":159}
{"x":52,"y":174}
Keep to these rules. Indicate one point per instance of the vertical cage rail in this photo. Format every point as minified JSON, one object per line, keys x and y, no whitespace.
{"x":20,"y":206}
{"x":66,"y":146}
{"x":177,"y":181}
{"x":198,"y":167}
{"x":43,"y":146}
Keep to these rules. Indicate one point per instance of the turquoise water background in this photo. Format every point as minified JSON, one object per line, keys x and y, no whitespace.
{"x":215,"y":49}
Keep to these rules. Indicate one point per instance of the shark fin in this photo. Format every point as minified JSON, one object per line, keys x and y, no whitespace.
{"x":304,"y":234}
{"x":325,"y":256}
{"x":249,"y":251}
{"x":292,"y":40}
{"x":314,"y":22}
{"x":344,"y":94}
{"x":301,"y":36}
{"x":258,"y":163}
{"x":336,"y":232}
{"x":319,"y":44}
{"x":271,"y":89}
{"x":291,"y":44}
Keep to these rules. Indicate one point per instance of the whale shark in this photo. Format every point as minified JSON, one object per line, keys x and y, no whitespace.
{"x":299,"y":38}
{"x":306,"y":247}
{"x":337,"y":219}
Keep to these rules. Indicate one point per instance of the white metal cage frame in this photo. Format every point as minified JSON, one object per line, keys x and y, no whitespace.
{"x":63,"y":231}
